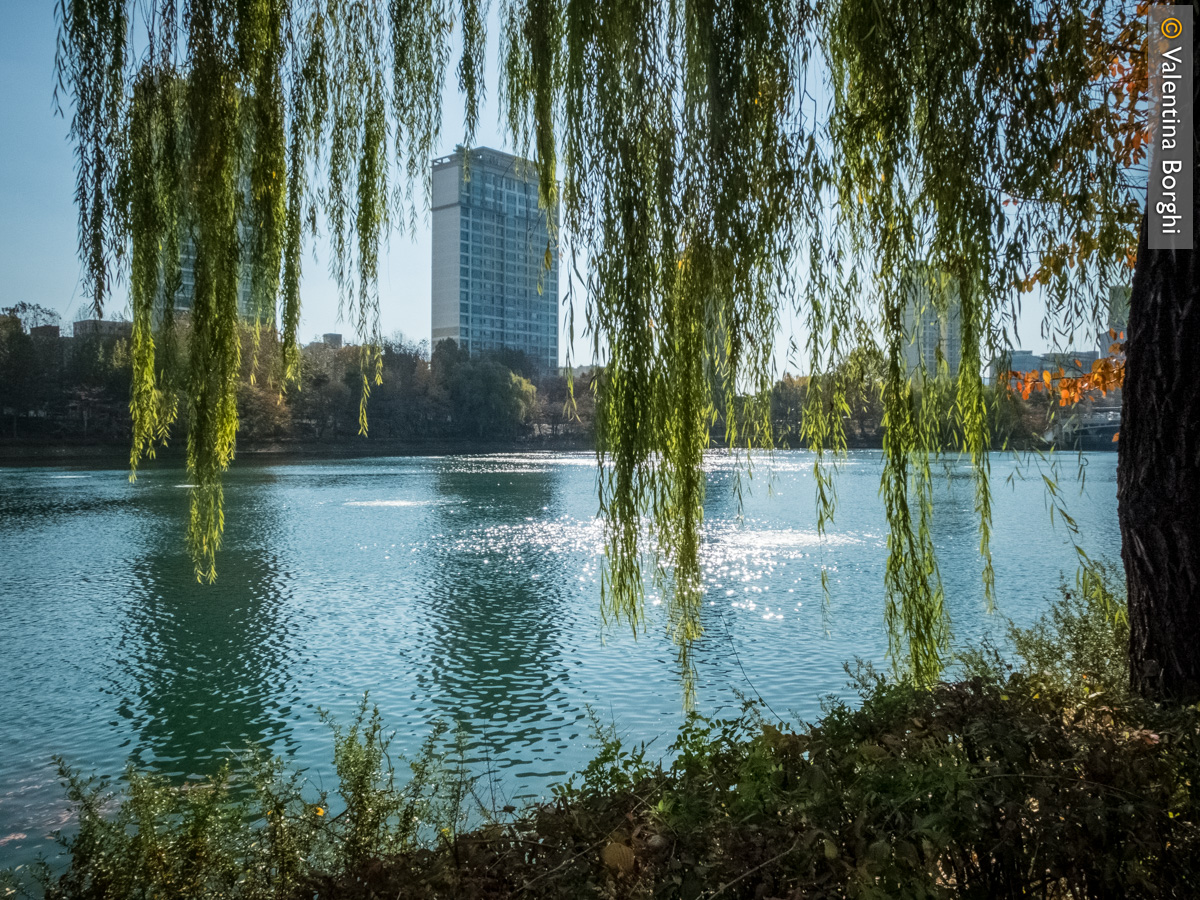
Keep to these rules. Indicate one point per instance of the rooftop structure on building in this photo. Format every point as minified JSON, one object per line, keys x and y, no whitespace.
{"x":492,"y":287}
{"x":119,"y":328}
{"x":580,"y":371}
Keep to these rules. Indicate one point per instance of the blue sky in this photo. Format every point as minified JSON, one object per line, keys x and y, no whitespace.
{"x":38,"y":263}
{"x":38,"y":232}
{"x":38,"y":258}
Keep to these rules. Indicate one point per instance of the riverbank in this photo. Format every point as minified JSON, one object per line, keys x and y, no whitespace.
{"x":1039,"y":775}
{"x":116,"y":455}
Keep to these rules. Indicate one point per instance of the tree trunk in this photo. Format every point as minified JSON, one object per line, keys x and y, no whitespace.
{"x":1158,"y":469}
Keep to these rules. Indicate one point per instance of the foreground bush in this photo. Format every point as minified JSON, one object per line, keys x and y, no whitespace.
{"x":1036,"y":777}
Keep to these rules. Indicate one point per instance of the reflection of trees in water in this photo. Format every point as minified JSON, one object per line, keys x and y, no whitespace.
{"x":722,"y":486}
{"x":206,"y":664}
{"x":495,"y":604}
{"x":33,"y":499}
{"x":954,"y":515}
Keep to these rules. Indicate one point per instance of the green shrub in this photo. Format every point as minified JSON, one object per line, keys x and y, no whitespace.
{"x":163,"y":841}
{"x":258,"y":837}
{"x":1079,"y":645}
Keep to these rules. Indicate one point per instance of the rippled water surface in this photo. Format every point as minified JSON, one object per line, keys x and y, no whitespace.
{"x":456,"y":588}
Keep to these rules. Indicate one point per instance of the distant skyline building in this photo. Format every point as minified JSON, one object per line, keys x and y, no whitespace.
{"x":1118,"y":316}
{"x":1072,"y":362}
{"x":187,"y":275}
{"x":491,"y":288}
{"x":931,"y":327}
{"x":1015,"y":360}
{"x":106,"y":328}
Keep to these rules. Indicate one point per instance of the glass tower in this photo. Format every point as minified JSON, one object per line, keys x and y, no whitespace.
{"x":932,"y":322}
{"x":492,"y":288}
{"x":187,"y":277}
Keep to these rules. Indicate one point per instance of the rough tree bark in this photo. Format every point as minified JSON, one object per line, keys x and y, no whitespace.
{"x":1158,"y":468}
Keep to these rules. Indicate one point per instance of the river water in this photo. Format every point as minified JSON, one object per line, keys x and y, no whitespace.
{"x":461,"y":588}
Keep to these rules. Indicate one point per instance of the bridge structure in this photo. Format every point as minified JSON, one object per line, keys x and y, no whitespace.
{"x":1095,"y":429}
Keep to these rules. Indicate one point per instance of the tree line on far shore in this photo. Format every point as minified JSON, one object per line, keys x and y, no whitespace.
{"x":77,"y":390}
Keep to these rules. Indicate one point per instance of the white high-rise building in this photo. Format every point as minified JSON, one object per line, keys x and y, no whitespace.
{"x":492,"y":288}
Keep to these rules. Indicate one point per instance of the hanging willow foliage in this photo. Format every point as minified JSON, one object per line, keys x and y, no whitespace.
{"x":715,"y":163}
{"x":974,"y":150}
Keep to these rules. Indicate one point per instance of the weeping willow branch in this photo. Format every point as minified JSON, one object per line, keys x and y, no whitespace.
{"x":241,"y":121}
{"x":715,"y":163}
{"x":933,"y":109}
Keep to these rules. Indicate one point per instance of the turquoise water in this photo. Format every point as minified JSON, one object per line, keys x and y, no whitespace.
{"x":456,"y":588}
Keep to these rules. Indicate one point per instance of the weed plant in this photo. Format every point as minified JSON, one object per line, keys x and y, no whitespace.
{"x":1036,"y":774}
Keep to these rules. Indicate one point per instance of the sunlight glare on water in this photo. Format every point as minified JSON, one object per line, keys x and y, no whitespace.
{"x":463,"y":588}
